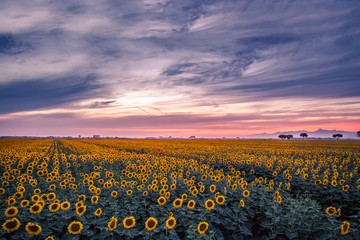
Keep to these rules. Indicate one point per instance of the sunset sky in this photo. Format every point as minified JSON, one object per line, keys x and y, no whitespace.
{"x":209,"y":68}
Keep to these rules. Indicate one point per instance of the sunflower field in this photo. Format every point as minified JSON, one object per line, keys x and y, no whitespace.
{"x":179,"y":189}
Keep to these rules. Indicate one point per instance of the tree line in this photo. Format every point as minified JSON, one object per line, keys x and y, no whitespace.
{"x":337,"y":136}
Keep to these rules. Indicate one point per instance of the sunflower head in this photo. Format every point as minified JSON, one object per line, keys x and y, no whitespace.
{"x":191,"y":204}
{"x":246,"y":193}
{"x":54,"y":207}
{"x":51,"y":196}
{"x":11,"y":212}
{"x":112,"y":224}
{"x":151,"y":223}
{"x":242,"y":203}
{"x":161,"y":200}
{"x":202,"y":227}
{"x":184,"y":197}
{"x":33,"y":229}
{"x":65,"y":205}
{"x":345,"y":228}
{"x":11,"y":225}
{"x":170,"y":223}
{"x":81,"y":210}
{"x":220,"y":200}
{"x":209,"y":204}
{"x":330,"y":211}
{"x":98,"y":212}
{"x":212,"y":188}
{"x":36,"y":208}
{"x":129,"y":222}
{"x":75,"y":227}
{"x":24,"y":203}
{"x":177,"y":203}
{"x":94,"y":199}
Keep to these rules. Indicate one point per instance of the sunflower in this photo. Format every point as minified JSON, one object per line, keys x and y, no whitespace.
{"x":33,"y":229}
{"x":37,"y":191}
{"x":78,"y":204}
{"x":11,"y":212}
{"x":65,"y":205}
{"x":35,"y":198}
{"x":54,"y":207}
{"x":151,"y":223}
{"x":11,"y":201}
{"x":75,"y":227}
{"x":170,"y":223}
{"x":2,"y":191}
{"x":184,"y":197}
{"x":94,"y":199}
{"x":212,"y":188}
{"x":191,"y":204}
{"x":18,"y":195}
{"x":24,"y":203}
{"x":129,"y":192}
{"x":345,"y":188}
{"x":51,"y":196}
{"x":81,"y":210}
{"x":49,"y":238}
{"x":330,"y":211}
{"x":177,"y":203}
{"x":345,"y":228}
{"x":52,"y":187}
{"x":145,"y":193}
{"x":98,"y":212}
{"x":209,"y":204}
{"x":339,"y":211}
{"x":342,"y":181}
{"x":278,"y":199}
{"x":318,"y":182}
{"x":202,"y":227}
{"x":129,"y":222}
{"x":242,"y":203}
{"x":112,"y":224}
{"x":246,"y":193}
{"x":171,"y":214}
{"x":35,"y":208}
{"x":220,"y":200}
{"x":167,"y":195}
{"x":11,"y":225}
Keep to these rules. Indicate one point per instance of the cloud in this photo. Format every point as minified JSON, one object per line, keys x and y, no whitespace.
{"x":40,"y":93}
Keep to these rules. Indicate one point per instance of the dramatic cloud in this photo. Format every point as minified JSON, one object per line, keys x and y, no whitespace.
{"x":174,"y":67}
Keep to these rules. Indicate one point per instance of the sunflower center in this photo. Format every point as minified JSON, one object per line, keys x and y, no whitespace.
{"x":11,"y":211}
{"x":209,"y":204}
{"x":202,"y":227}
{"x":129,"y":222}
{"x":177,"y":202}
{"x":36,"y":208}
{"x":54,"y":207}
{"x":151,"y":223}
{"x":75,"y":227}
{"x":112,"y":224}
{"x":171,"y":222}
{"x":33,"y":228}
{"x":11,"y":224}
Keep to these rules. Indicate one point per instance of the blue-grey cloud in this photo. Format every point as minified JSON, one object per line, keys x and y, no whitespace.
{"x":41,"y":93}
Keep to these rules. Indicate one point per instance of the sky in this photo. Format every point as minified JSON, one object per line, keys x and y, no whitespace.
{"x":209,"y":68}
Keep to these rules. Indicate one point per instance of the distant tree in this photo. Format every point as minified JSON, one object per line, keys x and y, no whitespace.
{"x":337,"y":136}
{"x":282,"y":136}
{"x":303,"y":135}
{"x":358,"y":133}
{"x":289,"y":136}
